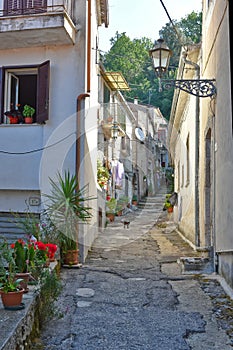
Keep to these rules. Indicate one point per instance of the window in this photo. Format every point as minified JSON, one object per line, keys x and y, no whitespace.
{"x":22,"y":7}
{"x":23,"y":85}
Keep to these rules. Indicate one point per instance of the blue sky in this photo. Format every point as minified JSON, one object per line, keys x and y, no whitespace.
{"x":142,"y":18}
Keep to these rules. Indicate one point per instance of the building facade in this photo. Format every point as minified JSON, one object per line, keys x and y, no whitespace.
{"x":47,"y":61}
{"x":200,"y":137}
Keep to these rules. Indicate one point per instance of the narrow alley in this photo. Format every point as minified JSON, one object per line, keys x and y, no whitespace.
{"x":131,"y":293}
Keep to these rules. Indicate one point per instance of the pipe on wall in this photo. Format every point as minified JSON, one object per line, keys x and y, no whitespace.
{"x":89,"y":46}
{"x":80,"y":98}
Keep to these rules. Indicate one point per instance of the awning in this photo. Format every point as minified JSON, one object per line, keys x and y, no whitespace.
{"x":116,"y":81}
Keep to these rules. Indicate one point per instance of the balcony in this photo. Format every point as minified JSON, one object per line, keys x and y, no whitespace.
{"x":30,"y":23}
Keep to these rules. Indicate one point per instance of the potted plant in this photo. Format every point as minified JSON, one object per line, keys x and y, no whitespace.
{"x":102,"y":174}
{"x":111,"y":209}
{"x":28,"y":112}
{"x":12,"y":117}
{"x":167,"y":204}
{"x":134,"y":200}
{"x":23,"y":254}
{"x":66,"y":208}
{"x":119,"y":209}
{"x":10,"y":290}
{"x":28,"y":256}
{"x":122,"y":203}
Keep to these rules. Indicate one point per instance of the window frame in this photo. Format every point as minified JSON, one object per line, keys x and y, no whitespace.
{"x":42,"y":90}
{"x":8,"y":88}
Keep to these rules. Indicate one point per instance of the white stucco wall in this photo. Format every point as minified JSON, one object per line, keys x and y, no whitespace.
{"x":27,"y":175}
{"x":184,"y":212}
{"x":65,"y":85}
{"x":218,"y":116}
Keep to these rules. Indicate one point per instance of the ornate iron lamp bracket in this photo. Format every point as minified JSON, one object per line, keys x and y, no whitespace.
{"x":200,"y":88}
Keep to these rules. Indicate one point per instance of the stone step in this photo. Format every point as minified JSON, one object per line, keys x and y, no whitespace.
{"x":149,"y":204}
{"x":195,"y":265}
{"x":153,"y":199}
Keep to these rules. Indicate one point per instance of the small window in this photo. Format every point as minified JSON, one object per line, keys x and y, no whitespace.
{"x":21,"y":86}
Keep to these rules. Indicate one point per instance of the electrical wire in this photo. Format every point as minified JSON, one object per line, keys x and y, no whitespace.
{"x":38,"y":149}
{"x":173,"y":25}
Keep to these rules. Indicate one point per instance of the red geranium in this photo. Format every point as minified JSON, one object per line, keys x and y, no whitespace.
{"x":41,"y":245}
{"x":52,"y":248}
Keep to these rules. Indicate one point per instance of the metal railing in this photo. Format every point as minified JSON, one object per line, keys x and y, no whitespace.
{"x":110,"y":112}
{"x":31,"y":7}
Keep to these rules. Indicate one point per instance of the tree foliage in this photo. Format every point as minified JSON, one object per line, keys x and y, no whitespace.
{"x":131,"y":58}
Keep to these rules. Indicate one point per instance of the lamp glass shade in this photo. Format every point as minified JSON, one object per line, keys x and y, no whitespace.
{"x":160,"y":55}
{"x":114,"y":131}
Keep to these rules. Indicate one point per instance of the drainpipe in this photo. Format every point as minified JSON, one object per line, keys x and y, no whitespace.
{"x":197,"y":130}
{"x":80,"y":98}
{"x":89,"y":46}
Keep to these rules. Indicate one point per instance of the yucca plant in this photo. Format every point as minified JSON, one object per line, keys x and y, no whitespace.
{"x":66,"y":208}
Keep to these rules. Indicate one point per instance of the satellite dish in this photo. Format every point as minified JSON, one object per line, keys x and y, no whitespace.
{"x":139,"y":134}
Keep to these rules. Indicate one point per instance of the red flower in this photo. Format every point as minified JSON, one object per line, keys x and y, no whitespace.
{"x":52,"y":247}
{"x":21,"y":241}
{"x":31,"y":244}
{"x":51,"y":250}
{"x":12,"y":245}
{"x":41,"y":246}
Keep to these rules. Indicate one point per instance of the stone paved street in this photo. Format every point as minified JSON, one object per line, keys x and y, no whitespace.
{"x":131,"y":293}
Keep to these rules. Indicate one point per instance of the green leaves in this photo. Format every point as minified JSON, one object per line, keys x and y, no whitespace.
{"x":131,"y":58}
{"x":66,"y":206}
{"x":9,"y":284}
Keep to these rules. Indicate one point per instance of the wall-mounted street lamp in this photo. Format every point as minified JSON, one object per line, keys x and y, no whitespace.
{"x":160,"y":55}
{"x":114,"y":130}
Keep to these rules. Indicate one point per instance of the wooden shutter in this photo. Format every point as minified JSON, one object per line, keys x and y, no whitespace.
{"x":1,"y":94}
{"x":43,"y":92}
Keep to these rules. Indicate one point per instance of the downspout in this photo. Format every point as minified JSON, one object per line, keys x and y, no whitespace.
{"x":80,"y":98}
{"x":89,"y":46}
{"x":197,"y":156}
{"x":84,"y":95}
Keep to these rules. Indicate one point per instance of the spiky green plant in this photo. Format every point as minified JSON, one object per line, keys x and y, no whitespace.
{"x":66,"y":207}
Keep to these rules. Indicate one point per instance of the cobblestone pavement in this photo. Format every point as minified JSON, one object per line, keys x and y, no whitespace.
{"x":131,"y":294}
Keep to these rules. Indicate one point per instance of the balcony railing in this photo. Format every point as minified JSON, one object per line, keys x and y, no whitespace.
{"x":109,"y":112}
{"x":31,"y":7}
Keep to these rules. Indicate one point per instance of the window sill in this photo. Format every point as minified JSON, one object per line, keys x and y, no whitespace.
{"x":19,"y":125}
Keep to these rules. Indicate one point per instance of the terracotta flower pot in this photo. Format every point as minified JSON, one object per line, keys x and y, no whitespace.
{"x":12,"y":299}
{"x":13,"y":120}
{"x":25,"y":277}
{"x":70,"y":257}
{"x":28,"y":120}
{"x":170,"y":209}
{"x":110,"y":216}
